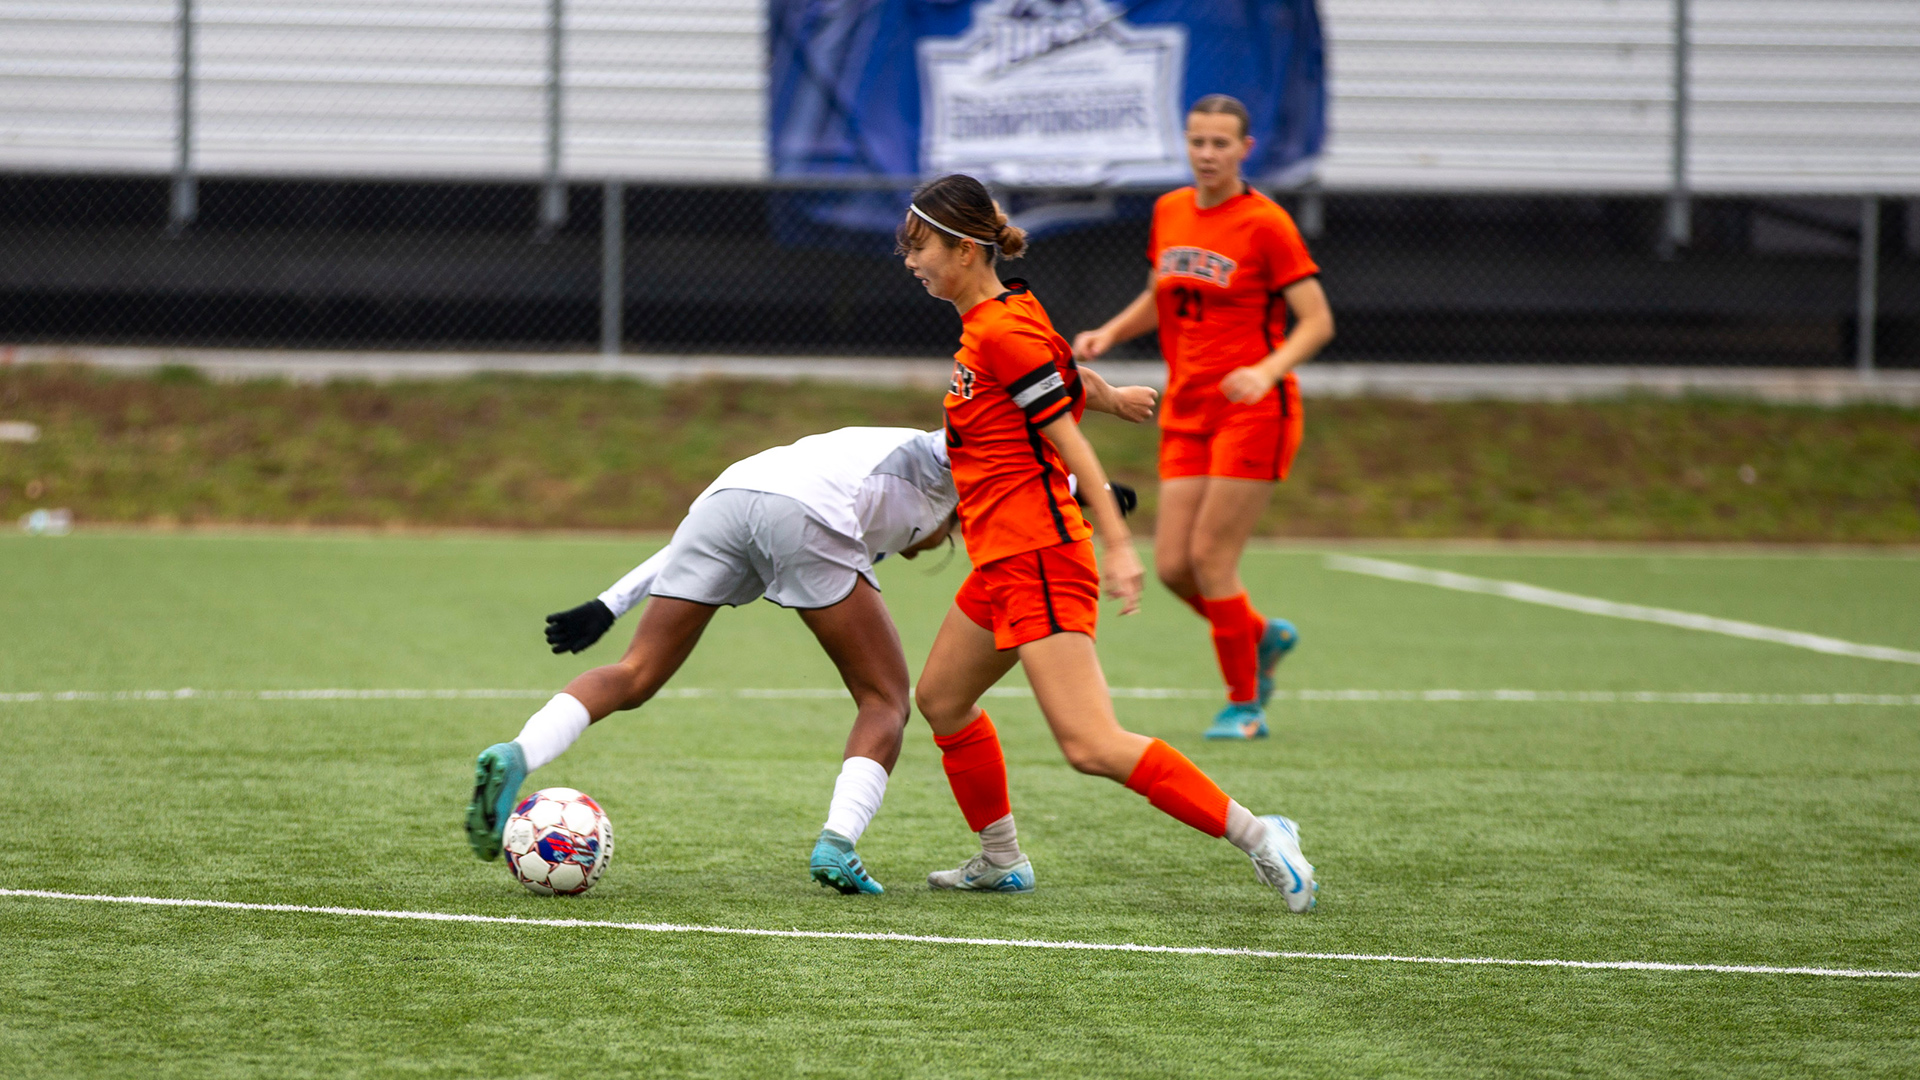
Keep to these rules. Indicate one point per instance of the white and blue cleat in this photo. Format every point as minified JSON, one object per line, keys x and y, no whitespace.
{"x":982,"y":874}
{"x":837,"y":866}
{"x":1239,"y":720}
{"x":1275,"y":643}
{"x":1278,"y":863}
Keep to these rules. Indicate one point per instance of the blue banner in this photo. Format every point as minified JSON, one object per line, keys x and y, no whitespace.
{"x":1037,"y":92}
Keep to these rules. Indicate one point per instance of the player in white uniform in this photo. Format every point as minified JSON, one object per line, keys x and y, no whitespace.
{"x":802,"y":526}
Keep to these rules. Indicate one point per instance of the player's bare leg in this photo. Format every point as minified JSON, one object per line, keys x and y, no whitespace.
{"x":1229,"y":511}
{"x":666,"y":635}
{"x":1205,"y":523}
{"x":859,"y":637}
{"x":1064,"y":671}
{"x":961,"y":668}
{"x":1180,"y":501}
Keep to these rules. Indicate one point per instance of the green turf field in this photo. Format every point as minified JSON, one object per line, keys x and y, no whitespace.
{"x":1778,"y":835}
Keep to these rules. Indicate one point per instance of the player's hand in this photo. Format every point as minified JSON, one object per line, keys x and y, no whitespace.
{"x":1134,"y":403}
{"x":575,"y":629}
{"x":1090,"y":345}
{"x":1246,"y":385}
{"x":1123,"y":577}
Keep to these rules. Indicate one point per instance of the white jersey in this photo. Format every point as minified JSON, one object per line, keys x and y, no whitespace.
{"x":884,"y":487}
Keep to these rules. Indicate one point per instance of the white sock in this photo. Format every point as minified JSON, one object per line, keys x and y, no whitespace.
{"x":1001,"y":842}
{"x":551,"y":730}
{"x":1244,"y":831}
{"x":856,"y":796}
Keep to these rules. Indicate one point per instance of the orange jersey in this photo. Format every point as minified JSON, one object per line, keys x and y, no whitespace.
{"x":1218,"y":274}
{"x":1012,"y":376}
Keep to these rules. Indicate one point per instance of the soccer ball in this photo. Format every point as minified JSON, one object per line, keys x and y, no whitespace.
{"x":557,"y":841}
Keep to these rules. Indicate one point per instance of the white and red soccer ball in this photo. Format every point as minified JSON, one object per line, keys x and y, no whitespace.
{"x":557,"y":841}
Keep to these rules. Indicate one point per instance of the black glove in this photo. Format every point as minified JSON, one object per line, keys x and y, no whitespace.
{"x":575,"y":629}
{"x":1122,"y":494}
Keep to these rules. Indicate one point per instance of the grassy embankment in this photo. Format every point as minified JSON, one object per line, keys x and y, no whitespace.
{"x":587,"y":453}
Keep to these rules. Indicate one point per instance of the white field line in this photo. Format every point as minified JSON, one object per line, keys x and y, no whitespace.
{"x":1596,"y":697}
{"x":1686,"y":620}
{"x":1009,"y":943}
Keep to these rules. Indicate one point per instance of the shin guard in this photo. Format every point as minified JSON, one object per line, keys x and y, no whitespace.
{"x":1176,"y":787}
{"x":977,"y":772}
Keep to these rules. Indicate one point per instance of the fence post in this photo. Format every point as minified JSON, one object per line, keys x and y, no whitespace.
{"x":186,"y":194}
{"x":613,"y":275}
{"x":1313,"y":211}
{"x":553,"y":191}
{"x":1679,"y":231}
{"x":1869,"y":310}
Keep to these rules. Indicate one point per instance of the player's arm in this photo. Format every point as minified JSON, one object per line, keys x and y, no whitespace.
{"x":1123,"y":575}
{"x":1130,"y":403}
{"x":576,"y":629}
{"x":1135,"y":319}
{"x":1312,"y":329}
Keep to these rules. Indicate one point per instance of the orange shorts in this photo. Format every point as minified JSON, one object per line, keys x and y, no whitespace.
{"x":1034,"y":594}
{"x":1251,"y":442}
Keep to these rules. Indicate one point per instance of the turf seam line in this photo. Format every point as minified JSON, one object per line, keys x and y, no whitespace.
{"x":932,"y":939}
{"x":1598,"y":697}
{"x":1590,"y":605}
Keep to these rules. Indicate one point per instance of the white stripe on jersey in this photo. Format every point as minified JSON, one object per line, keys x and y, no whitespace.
{"x":1039,"y":390}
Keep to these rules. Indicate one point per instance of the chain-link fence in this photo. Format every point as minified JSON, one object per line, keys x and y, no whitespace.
{"x":760,"y":269}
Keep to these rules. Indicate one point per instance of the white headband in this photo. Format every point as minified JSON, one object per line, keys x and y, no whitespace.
{"x":928,"y":218}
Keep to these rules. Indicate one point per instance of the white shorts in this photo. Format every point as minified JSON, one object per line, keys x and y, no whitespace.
{"x":736,"y":546}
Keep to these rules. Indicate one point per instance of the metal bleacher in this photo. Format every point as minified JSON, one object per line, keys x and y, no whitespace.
{"x":1787,"y":96}
{"x":1493,"y":183}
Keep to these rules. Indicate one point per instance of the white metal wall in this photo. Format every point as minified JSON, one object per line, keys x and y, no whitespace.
{"x":454,"y":88}
{"x":667,"y":88}
{"x":87,"y":87}
{"x":1498,"y":93}
{"x":1808,"y":96}
{"x":426,"y":87}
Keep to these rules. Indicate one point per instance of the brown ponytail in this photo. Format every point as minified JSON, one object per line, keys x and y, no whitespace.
{"x":1011,"y":239}
{"x":962,"y":204}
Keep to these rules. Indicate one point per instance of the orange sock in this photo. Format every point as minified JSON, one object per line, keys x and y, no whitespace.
{"x":1236,"y":642}
{"x":1197,"y":602}
{"x":977,"y":772}
{"x":1177,"y":787}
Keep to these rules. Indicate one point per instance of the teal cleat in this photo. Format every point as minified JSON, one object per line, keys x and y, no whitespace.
{"x":837,"y":866}
{"x":497,"y":776}
{"x":1278,"y":640}
{"x":1239,"y":720}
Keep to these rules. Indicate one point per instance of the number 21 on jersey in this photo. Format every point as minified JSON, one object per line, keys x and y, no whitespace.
{"x":1189,"y":303}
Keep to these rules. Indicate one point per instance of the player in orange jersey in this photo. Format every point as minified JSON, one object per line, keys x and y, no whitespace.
{"x":1227,"y":267}
{"x":1033,"y":597}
